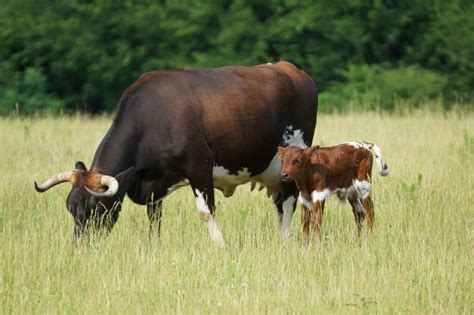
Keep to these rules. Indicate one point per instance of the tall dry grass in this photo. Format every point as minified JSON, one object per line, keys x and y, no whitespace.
{"x":418,"y":260}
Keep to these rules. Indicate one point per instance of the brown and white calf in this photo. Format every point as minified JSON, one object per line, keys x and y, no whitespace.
{"x":319,"y":172}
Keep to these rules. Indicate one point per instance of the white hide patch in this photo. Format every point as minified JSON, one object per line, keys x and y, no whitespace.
{"x":201,"y":205}
{"x":321,"y":195}
{"x":359,"y":207}
{"x":293,"y":138}
{"x":215,"y":233}
{"x":359,"y":190}
{"x":287,"y":217}
{"x":211,"y":222}
{"x":362,"y":188}
{"x":270,"y":177}
{"x":358,"y":144}
{"x":305,"y":202}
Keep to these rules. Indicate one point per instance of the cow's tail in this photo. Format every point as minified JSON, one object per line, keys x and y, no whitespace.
{"x":383,"y":168}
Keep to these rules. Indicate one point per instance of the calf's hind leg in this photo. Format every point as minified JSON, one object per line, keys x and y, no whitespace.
{"x":369,"y":211}
{"x":359,"y":212}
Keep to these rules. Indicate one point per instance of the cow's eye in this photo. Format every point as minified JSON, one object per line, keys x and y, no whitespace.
{"x":297,"y":162}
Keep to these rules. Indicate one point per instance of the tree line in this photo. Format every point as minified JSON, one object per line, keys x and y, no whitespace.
{"x":65,"y":56}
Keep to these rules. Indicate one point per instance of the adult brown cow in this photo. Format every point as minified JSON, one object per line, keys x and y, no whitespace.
{"x":209,"y":128}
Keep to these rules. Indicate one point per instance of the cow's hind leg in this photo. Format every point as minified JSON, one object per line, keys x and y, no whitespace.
{"x":154,"y":210}
{"x":286,"y":204}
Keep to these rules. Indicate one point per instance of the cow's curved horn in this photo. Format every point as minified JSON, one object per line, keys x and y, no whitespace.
{"x":110,"y":182}
{"x":56,"y":179}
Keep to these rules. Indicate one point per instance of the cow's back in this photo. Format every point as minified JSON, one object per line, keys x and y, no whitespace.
{"x":242,"y":112}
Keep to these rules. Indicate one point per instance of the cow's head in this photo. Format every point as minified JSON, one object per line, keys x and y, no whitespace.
{"x":95,"y":199}
{"x":294,"y":160}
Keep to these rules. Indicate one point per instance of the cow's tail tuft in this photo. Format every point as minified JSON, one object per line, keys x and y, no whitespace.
{"x":383,"y":168}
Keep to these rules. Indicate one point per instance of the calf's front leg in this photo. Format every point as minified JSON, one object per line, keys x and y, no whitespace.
{"x":316,"y":220}
{"x":305,"y":219}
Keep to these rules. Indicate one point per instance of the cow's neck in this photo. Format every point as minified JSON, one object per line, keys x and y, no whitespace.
{"x":116,"y":152}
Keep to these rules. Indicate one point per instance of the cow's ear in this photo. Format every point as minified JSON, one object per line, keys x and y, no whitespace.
{"x":80,"y":166}
{"x":126,"y":178}
{"x":310,"y":153}
{"x":281,"y":151}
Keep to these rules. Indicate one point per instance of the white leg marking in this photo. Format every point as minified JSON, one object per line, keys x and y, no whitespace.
{"x":206,"y":216}
{"x":287,"y":216}
{"x":201,"y":205}
{"x":214,"y":232}
{"x":305,"y":202}
{"x":321,"y":195}
{"x":359,"y":207}
{"x":363,"y":188}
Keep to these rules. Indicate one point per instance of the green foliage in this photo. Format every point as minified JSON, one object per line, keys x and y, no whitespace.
{"x":84,"y":54}
{"x":26,"y":94}
{"x":371,"y":87}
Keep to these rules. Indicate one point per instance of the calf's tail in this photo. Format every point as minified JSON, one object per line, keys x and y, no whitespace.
{"x":383,"y":168}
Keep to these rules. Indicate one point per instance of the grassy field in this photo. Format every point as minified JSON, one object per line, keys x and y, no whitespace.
{"x":418,"y":260}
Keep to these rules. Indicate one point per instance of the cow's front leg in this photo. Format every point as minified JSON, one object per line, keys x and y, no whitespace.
{"x":286,"y":205}
{"x":206,"y":210}
{"x":200,"y":179}
{"x":154,"y":210}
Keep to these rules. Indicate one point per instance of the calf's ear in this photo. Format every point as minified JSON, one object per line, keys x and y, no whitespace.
{"x":310,"y":153}
{"x":281,"y":151}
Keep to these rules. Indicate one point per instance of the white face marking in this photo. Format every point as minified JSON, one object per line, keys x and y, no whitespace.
{"x":305,"y":202}
{"x":294,"y":138}
{"x":321,"y":195}
{"x":287,"y":216}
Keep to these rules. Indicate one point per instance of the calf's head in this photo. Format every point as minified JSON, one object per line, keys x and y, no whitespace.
{"x":294,"y":160}
{"x":95,"y":199}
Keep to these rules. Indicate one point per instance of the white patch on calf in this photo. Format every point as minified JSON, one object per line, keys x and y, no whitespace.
{"x":321,"y":195}
{"x":305,"y":202}
{"x":206,"y":216}
{"x":359,"y":144}
{"x":287,"y":216}
{"x":363,"y":188}
{"x":359,"y":207}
